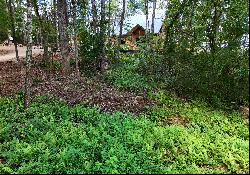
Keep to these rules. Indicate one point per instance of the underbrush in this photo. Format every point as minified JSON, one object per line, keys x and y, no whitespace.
{"x":49,"y":65}
{"x":221,"y":78}
{"x":51,"y":137}
{"x":126,"y":77}
{"x":141,"y":73}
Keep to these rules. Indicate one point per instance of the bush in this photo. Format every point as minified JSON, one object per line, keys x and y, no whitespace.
{"x":125,"y":76}
{"x":220,"y":78}
{"x":3,"y":35}
{"x":55,"y":65}
{"x":89,"y":52}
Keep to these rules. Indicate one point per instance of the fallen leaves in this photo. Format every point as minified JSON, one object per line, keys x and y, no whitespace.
{"x":70,"y":89}
{"x":175,"y":119}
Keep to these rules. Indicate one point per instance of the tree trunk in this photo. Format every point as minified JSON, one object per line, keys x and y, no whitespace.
{"x":146,"y":9}
{"x":109,"y":22}
{"x":121,"y":22}
{"x":43,"y":30}
{"x":63,"y":37}
{"x":75,"y":36}
{"x":102,"y":36}
{"x":55,"y":23}
{"x":191,"y":28}
{"x":45,"y":38}
{"x":214,"y":27}
{"x":13,"y":30}
{"x":146,"y":30}
{"x":28,"y":54}
{"x":153,"y":17}
{"x":94,"y":13}
{"x":151,"y":44}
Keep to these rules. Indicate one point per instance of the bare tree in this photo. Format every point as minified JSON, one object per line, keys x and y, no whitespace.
{"x":28,"y":54}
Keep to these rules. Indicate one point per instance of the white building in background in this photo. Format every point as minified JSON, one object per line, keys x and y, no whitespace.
{"x":10,"y":38}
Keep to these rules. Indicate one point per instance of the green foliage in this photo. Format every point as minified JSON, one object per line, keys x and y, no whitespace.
{"x":213,"y":127}
{"x":204,"y":54}
{"x":3,"y":21}
{"x":50,"y":137}
{"x":224,"y":77}
{"x":49,"y":65}
{"x":3,"y":35}
{"x":89,"y":51}
{"x":221,"y":78}
{"x":125,"y":76}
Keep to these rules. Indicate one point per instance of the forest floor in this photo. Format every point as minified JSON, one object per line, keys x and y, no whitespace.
{"x":160,"y":134}
{"x":93,"y":92}
{"x":90,"y":91}
{"x":7,"y":53}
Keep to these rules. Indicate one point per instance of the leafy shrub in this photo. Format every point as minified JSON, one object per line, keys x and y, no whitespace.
{"x":124,"y":79}
{"x":89,"y":51}
{"x":125,"y":76}
{"x":55,"y":65}
{"x":219,"y":78}
{"x":3,"y":35}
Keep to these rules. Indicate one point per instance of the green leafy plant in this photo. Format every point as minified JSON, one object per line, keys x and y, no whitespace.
{"x":50,"y":137}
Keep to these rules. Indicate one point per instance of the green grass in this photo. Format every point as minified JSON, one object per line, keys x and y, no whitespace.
{"x":51,"y":137}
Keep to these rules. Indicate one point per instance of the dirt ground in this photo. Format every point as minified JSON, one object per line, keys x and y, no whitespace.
{"x":7,"y":53}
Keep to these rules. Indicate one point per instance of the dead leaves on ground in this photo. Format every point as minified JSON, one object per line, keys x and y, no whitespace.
{"x":175,"y":119}
{"x":95,"y":93}
{"x":70,"y":89}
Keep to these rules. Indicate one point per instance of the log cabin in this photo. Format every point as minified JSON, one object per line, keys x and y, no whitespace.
{"x":135,"y":33}
{"x":131,"y":37}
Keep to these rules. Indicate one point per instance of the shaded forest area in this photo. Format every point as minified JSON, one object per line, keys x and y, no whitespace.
{"x":95,"y":94}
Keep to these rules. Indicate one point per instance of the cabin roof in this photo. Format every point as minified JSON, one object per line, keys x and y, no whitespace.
{"x":132,"y":30}
{"x":140,"y":20}
{"x":135,"y":28}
